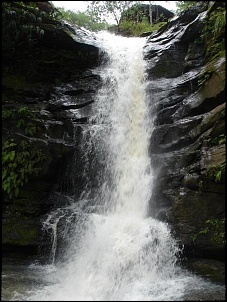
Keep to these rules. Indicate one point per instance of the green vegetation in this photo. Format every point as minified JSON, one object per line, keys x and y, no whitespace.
{"x":132,"y":28}
{"x":216,"y":173}
{"x":102,"y":10}
{"x":19,"y":159}
{"x":21,"y":30}
{"x":20,"y":27}
{"x":193,"y":237}
{"x":213,"y":33}
{"x":82,"y":19}
{"x":182,"y":5}
{"x":18,"y":162}
{"x":22,"y":118}
{"x":217,"y":140}
{"x":215,"y":228}
{"x":96,"y":16}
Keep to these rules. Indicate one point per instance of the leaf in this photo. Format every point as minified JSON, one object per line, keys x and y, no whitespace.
{"x":12,"y":155}
{"x":218,"y":176}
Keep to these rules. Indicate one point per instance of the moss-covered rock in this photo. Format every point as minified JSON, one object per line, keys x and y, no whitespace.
{"x":20,"y":231}
{"x":210,"y":269}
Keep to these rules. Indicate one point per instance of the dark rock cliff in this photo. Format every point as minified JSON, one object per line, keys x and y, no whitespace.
{"x":186,"y":93}
{"x":47,"y":94}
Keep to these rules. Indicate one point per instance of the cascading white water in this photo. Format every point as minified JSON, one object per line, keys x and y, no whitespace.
{"x":122,"y":129}
{"x":115,"y":251}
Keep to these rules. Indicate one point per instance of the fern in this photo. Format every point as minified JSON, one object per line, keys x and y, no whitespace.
{"x":19,"y":161}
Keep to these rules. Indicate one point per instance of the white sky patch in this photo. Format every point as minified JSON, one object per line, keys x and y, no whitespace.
{"x":82,"y":5}
{"x":72,"y":5}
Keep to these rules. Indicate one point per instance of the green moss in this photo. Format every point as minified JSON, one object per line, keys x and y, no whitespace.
{"x":20,"y":231}
{"x":213,"y":33}
{"x":203,"y":77}
{"x":213,"y":269}
{"x":14,"y":81}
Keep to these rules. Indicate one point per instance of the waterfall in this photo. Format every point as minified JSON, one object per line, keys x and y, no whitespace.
{"x":121,"y":129}
{"x":114,"y":251}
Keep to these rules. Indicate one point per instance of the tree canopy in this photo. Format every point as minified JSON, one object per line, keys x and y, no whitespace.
{"x":182,"y":5}
{"x":82,"y":19}
{"x":104,"y":10}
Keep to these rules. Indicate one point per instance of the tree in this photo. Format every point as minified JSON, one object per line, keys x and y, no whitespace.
{"x":102,"y":10}
{"x":20,"y":29}
{"x":182,"y":5}
{"x":81,"y":19}
{"x":150,"y":12}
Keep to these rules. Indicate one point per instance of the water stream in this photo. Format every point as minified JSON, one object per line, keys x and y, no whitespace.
{"x":113,"y":249}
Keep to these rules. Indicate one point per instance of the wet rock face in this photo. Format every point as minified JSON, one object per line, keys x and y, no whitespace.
{"x":57,"y":84}
{"x":212,"y":269}
{"x":71,"y":42}
{"x":169,"y":50}
{"x":188,"y":118}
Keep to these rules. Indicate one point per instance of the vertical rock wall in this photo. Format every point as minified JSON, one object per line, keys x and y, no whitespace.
{"x":186,"y":95}
{"x":54,"y":85}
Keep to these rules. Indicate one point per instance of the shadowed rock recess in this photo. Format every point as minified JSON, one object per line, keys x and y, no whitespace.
{"x":57,"y":81}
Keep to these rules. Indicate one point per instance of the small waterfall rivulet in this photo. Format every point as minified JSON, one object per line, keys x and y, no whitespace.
{"x":113,"y":250}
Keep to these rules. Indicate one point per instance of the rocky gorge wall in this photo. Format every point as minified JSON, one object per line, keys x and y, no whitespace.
{"x":56,"y":86}
{"x":186,"y":93}
{"x":47,"y":95}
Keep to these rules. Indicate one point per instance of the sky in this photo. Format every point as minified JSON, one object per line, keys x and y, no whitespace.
{"x":82,"y":5}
